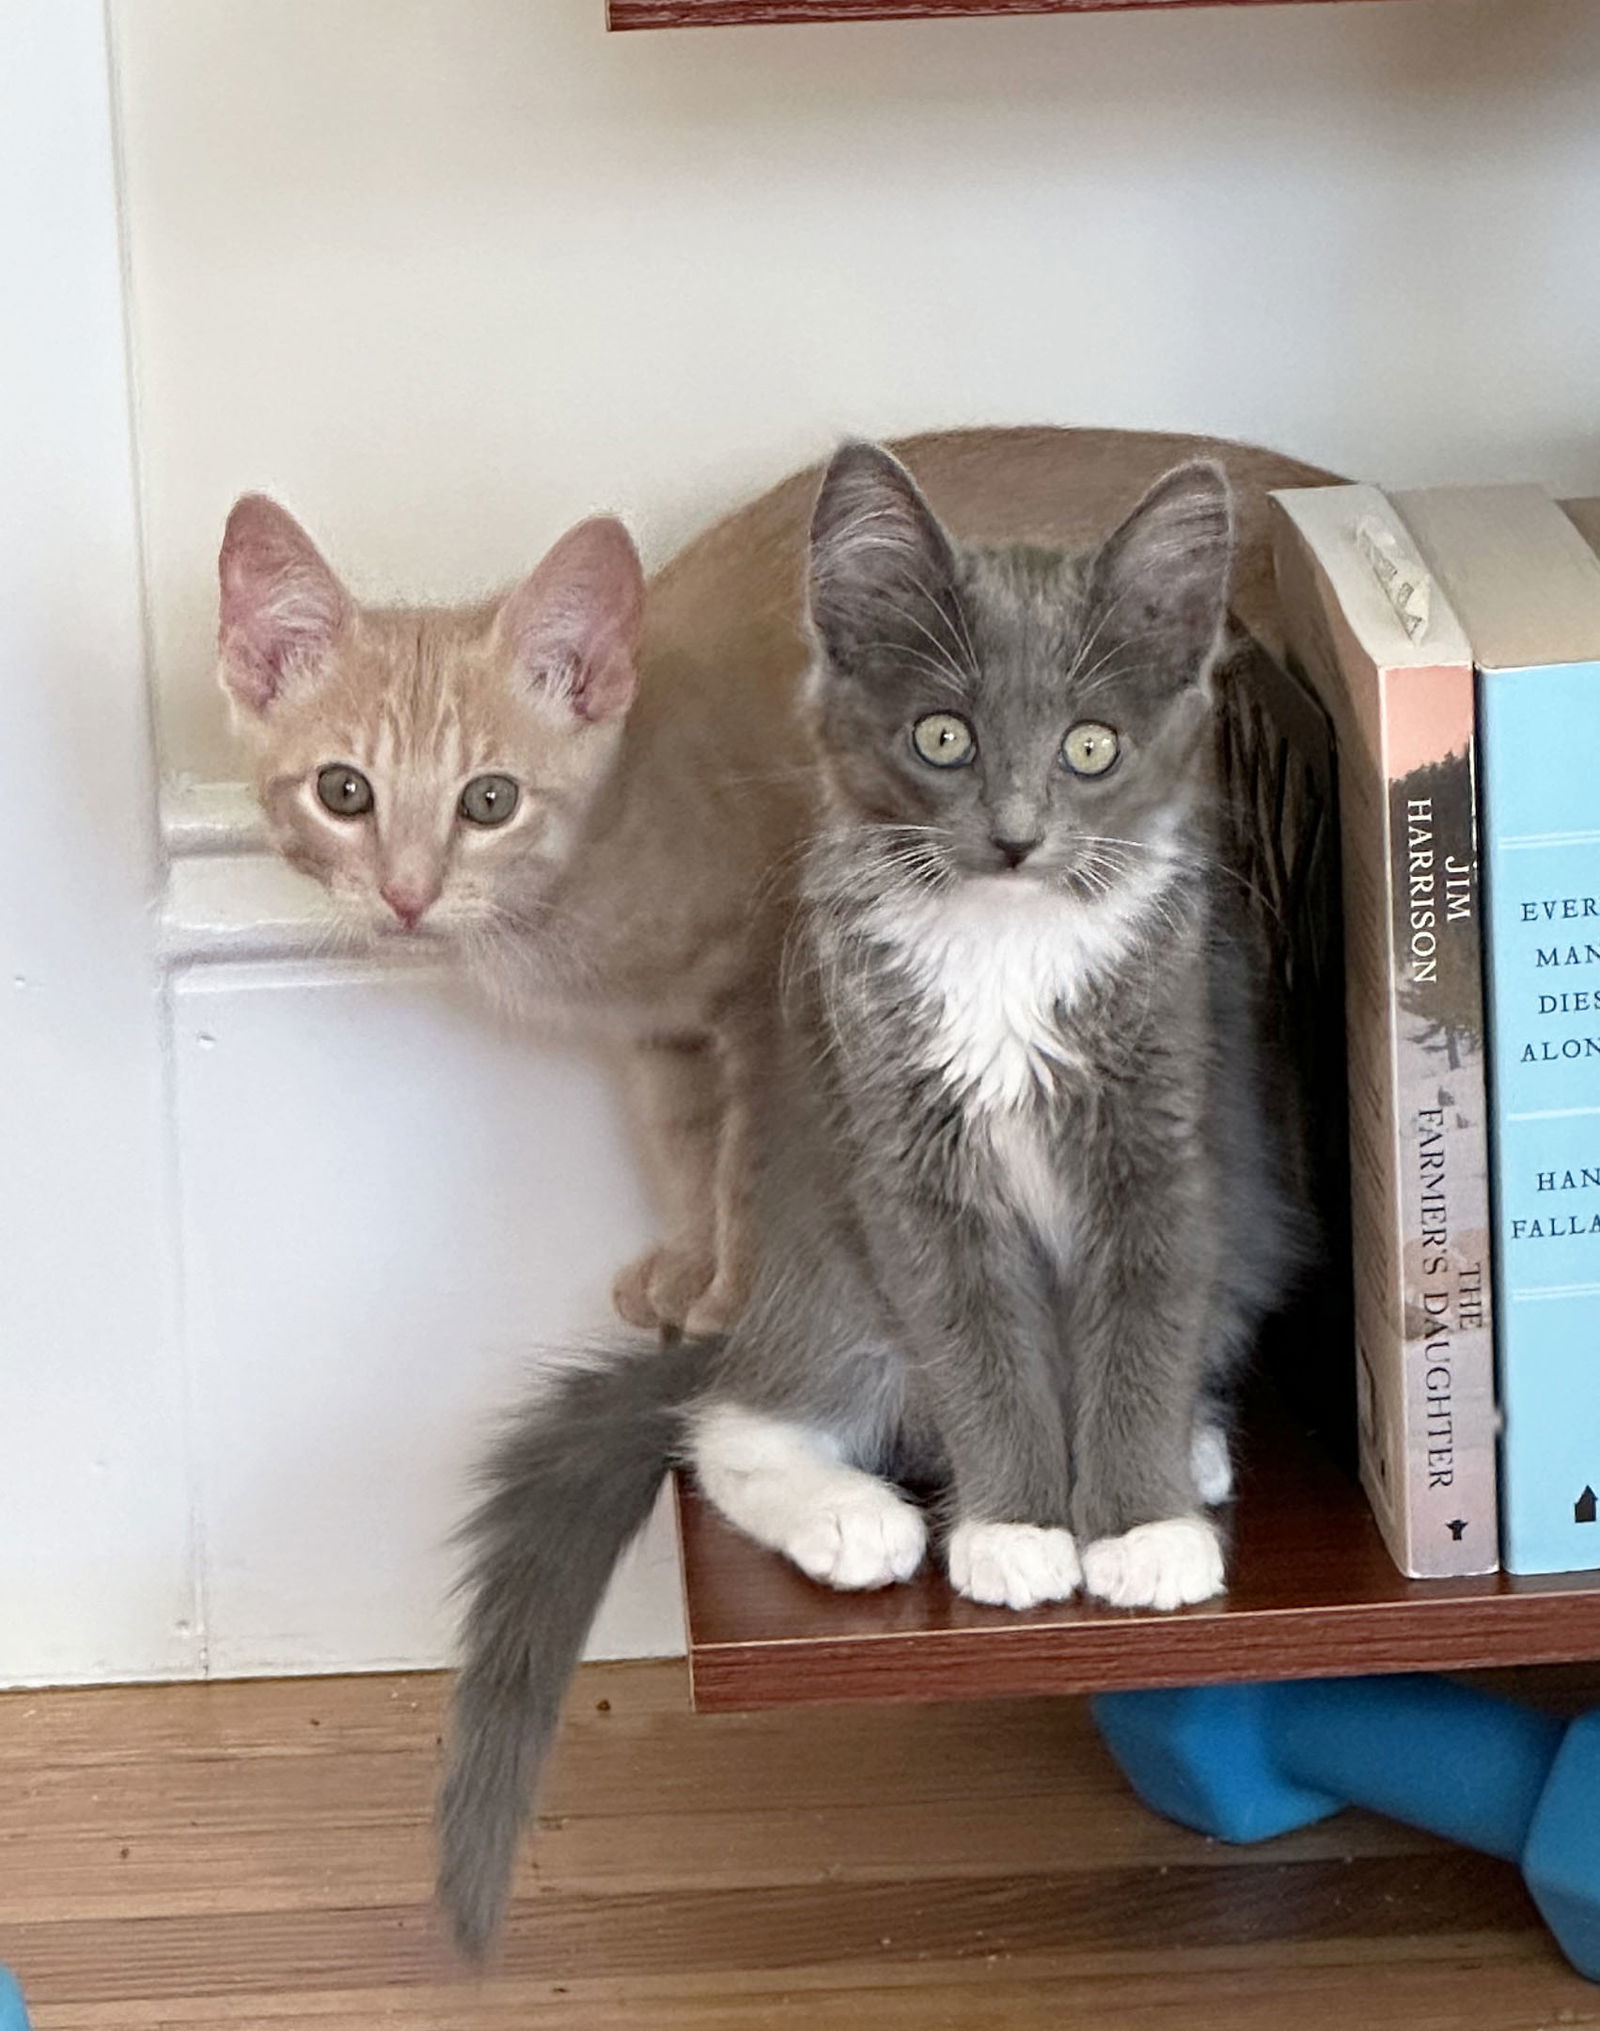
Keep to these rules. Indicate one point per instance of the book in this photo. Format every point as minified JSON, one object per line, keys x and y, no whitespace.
{"x":1527,"y":589}
{"x":1382,"y":647}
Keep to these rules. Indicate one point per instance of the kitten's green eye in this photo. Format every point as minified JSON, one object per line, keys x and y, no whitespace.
{"x":944,"y":740}
{"x":344,"y":791}
{"x":1090,"y":748}
{"x":489,"y":800}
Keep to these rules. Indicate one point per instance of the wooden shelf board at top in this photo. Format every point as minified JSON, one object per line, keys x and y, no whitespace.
{"x":771,"y":13}
{"x":1313,"y":1594}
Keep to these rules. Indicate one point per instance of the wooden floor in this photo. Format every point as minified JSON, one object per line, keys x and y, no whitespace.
{"x":256,"y":1857}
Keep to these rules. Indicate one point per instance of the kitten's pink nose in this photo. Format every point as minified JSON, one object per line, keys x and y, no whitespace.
{"x":409,"y":904}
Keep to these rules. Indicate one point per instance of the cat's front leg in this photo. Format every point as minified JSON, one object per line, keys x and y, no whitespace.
{"x":746,"y":1051}
{"x":981,"y":1335}
{"x":698,"y":1101}
{"x":1141,"y":1447}
{"x":1013,"y":1565}
{"x":677,"y":1092}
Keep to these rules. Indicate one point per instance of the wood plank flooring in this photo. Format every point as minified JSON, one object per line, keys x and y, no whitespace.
{"x":256,"y":1857}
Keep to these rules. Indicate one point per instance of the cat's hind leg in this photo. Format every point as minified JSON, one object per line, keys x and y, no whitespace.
{"x":789,"y":1487}
{"x":1211,"y":1461}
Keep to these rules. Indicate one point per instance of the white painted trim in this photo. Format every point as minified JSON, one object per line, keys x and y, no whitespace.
{"x":228,"y":897}
{"x":223,"y":907}
{"x":200,"y":817}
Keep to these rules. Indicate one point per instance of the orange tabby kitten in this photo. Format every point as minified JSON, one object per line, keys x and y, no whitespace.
{"x":592,"y":790}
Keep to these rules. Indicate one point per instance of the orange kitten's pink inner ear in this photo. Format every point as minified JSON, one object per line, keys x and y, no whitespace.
{"x":281,"y":605}
{"x":572,"y":626}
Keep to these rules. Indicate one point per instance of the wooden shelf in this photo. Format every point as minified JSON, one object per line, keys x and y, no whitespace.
{"x":1314,"y":1595}
{"x":750,"y":13}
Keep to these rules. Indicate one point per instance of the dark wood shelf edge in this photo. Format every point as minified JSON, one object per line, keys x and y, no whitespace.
{"x":1427,"y":1635}
{"x":1313,"y":1594}
{"x":637,"y":14}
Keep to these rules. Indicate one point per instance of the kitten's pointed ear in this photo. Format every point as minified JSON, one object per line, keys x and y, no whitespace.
{"x":1160,"y":583}
{"x":572,"y":625}
{"x":882,"y":570}
{"x":281,"y":605}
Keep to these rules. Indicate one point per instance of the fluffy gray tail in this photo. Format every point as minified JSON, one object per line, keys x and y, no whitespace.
{"x":568,"y":1487}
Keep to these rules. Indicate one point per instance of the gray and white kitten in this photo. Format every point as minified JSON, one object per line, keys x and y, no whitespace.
{"x":1019,"y":1215}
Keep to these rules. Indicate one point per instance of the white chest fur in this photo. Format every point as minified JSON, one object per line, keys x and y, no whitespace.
{"x":997,"y":961}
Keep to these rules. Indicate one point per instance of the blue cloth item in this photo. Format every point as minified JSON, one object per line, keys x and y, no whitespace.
{"x":13,"y":2014}
{"x":1246,"y":1762}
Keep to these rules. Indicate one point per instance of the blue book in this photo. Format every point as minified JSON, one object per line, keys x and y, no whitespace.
{"x":1526,"y":588}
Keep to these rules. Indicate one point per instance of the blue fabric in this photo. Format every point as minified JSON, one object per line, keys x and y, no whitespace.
{"x":1562,"y":1858}
{"x":13,"y":2016}
{"x":1248,"y":1762}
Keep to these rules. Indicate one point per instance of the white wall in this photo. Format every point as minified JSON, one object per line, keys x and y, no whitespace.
{"x":96,"y":1548}
{"x":388,"y":1208}
{"x":450,"y":273}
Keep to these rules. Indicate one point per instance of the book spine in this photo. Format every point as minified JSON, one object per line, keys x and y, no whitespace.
{"x":1541,"y":734}
{"x":1445,"y":1507}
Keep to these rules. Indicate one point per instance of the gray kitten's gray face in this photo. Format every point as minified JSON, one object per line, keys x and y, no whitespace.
{"x":1015,"y":712}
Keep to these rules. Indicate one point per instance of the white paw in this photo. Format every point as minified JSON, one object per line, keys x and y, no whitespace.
{"x":865,"y":1536}
{"x":1156,"y":1565}
{"x":1210,"y":1465}
{"x":1013,"y":1565}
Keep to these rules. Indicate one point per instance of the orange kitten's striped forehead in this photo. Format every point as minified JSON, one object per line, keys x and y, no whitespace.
{"x":429,"y":766}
